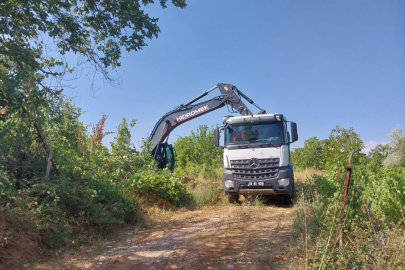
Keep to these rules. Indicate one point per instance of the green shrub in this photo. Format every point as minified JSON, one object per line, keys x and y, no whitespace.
{"x":162,"y":184}
{"x":196,"y":154}
{"x":372,"y":234}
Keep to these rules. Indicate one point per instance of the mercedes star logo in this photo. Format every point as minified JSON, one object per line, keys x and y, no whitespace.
{"x":254,"y":163}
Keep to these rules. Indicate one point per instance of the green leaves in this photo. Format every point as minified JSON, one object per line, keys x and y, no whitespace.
{"x":377,"y":155}
{"x":96,"y":30}
{"x":196,"y":153}
{"x":310,"y":156}
{"x":121,"y":146}
{"x":160,"y":184}
{"x":330,"y":152}
{"x":373,"y":212}
{"x":340,"y":143}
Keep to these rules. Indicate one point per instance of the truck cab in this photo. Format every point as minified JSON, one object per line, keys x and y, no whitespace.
{"x":257,"y":155}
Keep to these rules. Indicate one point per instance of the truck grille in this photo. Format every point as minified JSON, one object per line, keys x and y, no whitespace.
{"x":267,"y":168}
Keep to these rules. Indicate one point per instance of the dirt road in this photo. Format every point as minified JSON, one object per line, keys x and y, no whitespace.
{"x":222,"y":237}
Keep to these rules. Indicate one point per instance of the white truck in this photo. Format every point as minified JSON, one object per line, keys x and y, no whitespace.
{"x":257,"y":155}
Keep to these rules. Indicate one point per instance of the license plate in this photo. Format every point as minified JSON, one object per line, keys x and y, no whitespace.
{"x":255,"y":183}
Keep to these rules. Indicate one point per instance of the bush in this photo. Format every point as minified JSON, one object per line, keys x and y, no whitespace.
{"x":373,"y":225}
{"x":96,"y":191}
{"x":160,"y":184}
{"x":196,"y":154}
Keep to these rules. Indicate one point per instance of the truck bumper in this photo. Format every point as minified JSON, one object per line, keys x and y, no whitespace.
{"x":282,"y":184}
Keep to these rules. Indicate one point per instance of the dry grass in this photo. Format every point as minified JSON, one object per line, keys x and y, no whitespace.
{"x":209,"y":238}
{"x":304,"y":175}
{"x":206,"y":191}
{"x":362,"y":249}
{"x":252,"y":236}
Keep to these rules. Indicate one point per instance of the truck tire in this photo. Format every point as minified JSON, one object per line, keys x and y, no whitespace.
{"x":283,"y":199}
{"x":233,"y":198}
{"x":293,"y":194}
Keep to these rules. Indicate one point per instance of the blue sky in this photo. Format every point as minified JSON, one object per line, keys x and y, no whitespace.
{"x":320,"y":63}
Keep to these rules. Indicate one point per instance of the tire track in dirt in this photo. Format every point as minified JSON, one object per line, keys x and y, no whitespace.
{"x":223,"y":237}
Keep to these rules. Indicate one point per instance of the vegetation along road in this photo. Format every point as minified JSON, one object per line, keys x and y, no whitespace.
{"x":69,"y":200}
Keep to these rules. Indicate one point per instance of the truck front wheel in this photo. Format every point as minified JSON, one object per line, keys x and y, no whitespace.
{"x":293,"y":194}
{"x":232,"y":198}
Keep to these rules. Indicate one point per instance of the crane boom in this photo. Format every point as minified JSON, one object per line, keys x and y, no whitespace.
{"x":230,"y":96}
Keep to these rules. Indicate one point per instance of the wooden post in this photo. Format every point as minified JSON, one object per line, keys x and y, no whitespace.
{"x":48,"y":167}
{"x":345,"y":192}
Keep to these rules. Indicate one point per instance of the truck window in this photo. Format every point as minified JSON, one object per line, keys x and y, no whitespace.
{"x":254,"y":132}
{"x":169,"y":155}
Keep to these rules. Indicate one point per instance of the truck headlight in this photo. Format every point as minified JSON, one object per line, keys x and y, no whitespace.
{"x":284,"y":182}
{"x":228,"y":183}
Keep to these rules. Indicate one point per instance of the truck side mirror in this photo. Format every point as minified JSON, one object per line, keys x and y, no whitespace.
{"x":294,"y":132}
{"x":216,"y":138}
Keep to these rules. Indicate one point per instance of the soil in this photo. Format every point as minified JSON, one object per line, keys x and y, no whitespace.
{"x":222,"y":237}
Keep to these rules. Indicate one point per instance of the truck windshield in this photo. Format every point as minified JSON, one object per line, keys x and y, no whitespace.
{"x":246,"y":133}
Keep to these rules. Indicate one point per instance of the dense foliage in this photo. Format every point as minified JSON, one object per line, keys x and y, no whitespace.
{"x":200,"y":163}
{"x":329,"y":152}
{"x":310,"y":156}
{"x":374,"y":215}
{"x":91,"y":189}
{"x":36,"y":35}
{"x":197,"y":155}
{"x":320,"y":154}
{"x":373,"y":223}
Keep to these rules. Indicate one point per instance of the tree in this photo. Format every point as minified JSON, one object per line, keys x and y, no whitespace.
{"x":197,"y":153}
{"x":310,"y":156}
{"x":36,"y":36}
{"x":340,"y":143}
{"x":396,"y":151}
{"x":378,"y":154}
{"x":122,"y":142}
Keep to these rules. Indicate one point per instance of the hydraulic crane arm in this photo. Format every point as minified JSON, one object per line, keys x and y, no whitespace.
{"x":230,"y":96}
